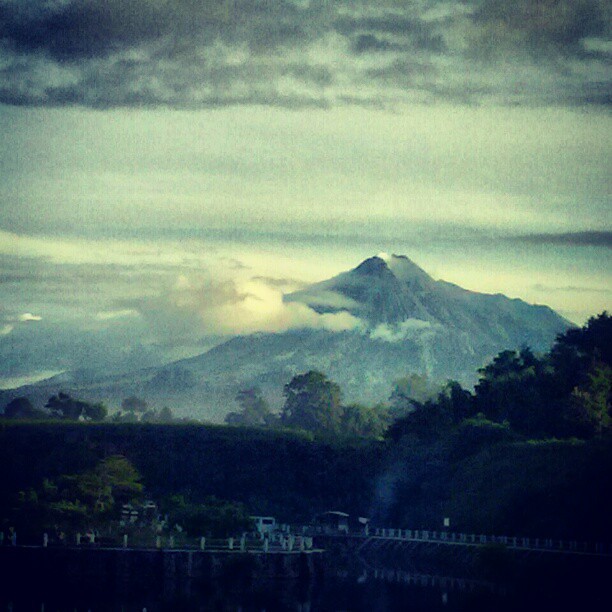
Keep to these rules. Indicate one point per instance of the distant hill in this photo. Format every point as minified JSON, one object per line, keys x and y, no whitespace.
{"x":405,"y":322}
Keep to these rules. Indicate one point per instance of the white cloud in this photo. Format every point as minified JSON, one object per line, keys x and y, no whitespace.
{"x":409,"y":328}
{"x":109,"y":315}
{"x":12,"y":382}
{"x":8,"y":321}
{"x":322,"y":298}
{"x":28,"y":316}
{"x":196,"y":305}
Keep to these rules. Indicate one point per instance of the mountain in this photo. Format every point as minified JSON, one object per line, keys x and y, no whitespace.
{"x":403,"y":321}
{"x":393,"y":295}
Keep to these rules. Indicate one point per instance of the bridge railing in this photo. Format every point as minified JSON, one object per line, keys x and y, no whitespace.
{"x":246,"y":542}
{"x":530,"y":543}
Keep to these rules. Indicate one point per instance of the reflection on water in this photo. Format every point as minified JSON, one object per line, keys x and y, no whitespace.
{"x":355,"y":587}
{"x":333,"y":595}
{"x":368,"y":591}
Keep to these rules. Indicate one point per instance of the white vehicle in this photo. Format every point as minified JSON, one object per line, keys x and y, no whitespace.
{"x":264,"y":524}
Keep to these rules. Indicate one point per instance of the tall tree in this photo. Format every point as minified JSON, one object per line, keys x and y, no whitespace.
{"x":577,"y":351}
{"x":518,"y":387}
{"x":254,"y":409}
{"x":312,"y":402}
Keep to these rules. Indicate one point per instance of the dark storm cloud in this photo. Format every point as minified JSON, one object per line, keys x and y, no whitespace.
{"x":69,"y":30}
{"x":553,"y":25}
{"x":594,"y":238}
{"x":296,"y":53}
{"x":75,"y":29}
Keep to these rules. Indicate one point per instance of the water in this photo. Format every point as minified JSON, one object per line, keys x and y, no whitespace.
{"x":337,"y":595}
{"x":370,"y":591}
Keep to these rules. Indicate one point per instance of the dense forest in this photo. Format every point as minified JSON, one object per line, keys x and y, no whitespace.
{"x":527,"y":452}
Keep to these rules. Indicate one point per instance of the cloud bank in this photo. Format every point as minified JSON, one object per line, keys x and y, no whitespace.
{"x":303,"y":53}
{"x":197,"y":305}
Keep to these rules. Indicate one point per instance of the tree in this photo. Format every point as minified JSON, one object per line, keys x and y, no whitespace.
{"x":589,"y":411}
{"x":312,"y":402}
{"x":410,"y":391}
{"x":515,"y":387}
{"x":254,"y":409}
{"x":577,"y":351}
{"x":134,"y":404}
{"x":79,"y":500}
{"x":120,"y":475}
{"x":125,"y":417}
{"x":22,"y":408}
{"x":566,"y":392}
{"x":364,"y":421}
{"x":435,"y":417}
{"x":95,"y":412}
{"x":427,"y":421}
{"x":165,"y":415}
{"x":65,"y":407}
{"x":457,"y":401}
{"x":150,"y":416}
{"x":214,"y":517}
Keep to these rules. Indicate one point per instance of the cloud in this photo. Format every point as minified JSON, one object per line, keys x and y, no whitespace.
{"x":13,"y":382}
{"x":322,"y":300}
{"x":5,"y":330}
{"x":196,"y":306}
{"x":591,"y":238}
{"x":28,"y":316}
{"x":410,"y":328}
{"x":293,"y":53}
{"x":569,"y":289}
{"x":541,"y":27}
{"x":109,"y":315}
{"x":9,"y":321}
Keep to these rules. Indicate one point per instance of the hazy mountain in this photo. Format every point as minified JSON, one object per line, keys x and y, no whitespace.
{"x":404,"y":321}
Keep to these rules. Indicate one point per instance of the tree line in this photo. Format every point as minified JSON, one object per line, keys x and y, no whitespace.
{"x":65,"y":407}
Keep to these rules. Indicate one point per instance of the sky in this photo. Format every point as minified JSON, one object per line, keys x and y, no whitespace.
{"x":169,"y":168}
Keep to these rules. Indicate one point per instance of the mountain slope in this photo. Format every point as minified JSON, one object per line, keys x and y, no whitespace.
{"x":407,"y":322}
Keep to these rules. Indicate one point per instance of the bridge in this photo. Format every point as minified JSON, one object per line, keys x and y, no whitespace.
{"x":303,"y":538}
{"x":382,"y":536}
